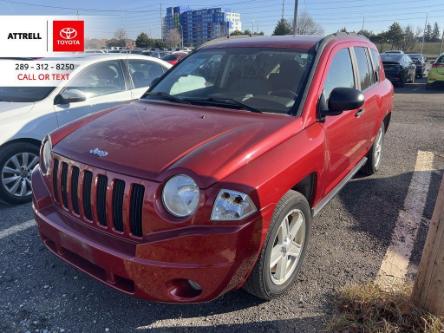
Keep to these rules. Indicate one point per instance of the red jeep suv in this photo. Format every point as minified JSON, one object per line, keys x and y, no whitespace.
{"x":210,"y":182}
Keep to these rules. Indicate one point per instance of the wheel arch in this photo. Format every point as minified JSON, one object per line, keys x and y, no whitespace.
{"x":307,"y":187}
{"x":25,"y":140}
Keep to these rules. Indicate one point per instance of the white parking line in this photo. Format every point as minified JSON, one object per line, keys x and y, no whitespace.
{"x":17,"y":228}
{"x":396,"y":260}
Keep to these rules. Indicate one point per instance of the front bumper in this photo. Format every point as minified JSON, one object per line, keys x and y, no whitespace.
{"x":159,"y":266}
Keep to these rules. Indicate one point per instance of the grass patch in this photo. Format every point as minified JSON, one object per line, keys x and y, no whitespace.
{"x":368,"y":309}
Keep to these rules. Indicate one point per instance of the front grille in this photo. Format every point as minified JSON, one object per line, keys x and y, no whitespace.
{"x":104,"y":200}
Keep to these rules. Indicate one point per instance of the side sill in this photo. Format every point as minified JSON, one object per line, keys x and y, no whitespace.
{"x":317,"y":209}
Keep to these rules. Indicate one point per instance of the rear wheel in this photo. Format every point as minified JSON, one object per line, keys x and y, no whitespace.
{"x":374,"y":156}
{"x":284,"y":250}
{"x":16,"y":164}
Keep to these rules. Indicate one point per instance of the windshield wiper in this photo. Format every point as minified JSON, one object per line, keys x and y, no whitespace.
{"x":165,"y":96}
{"x":222,"y":101}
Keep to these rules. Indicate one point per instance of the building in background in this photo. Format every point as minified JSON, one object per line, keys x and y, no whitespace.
{"x":199,"y":26}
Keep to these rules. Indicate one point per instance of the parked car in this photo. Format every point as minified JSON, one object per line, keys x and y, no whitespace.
{"x":399,"y":68}
{"x":436,"y":73}
{"x":420,"y":62}
{"x":210,"y":182}
{"x":394,"y":52}
{"x":27,"y":114}
{"x":174,"y":57}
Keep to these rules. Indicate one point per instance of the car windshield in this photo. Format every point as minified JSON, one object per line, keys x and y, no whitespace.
{"x":24,"y":94}
{"x":254,"y":79}
{"x":393,"y":57}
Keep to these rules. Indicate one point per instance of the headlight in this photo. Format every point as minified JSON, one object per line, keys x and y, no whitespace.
{"x":232,"y":206}
{"x":46,"y":156}
{"x":180,"y":196}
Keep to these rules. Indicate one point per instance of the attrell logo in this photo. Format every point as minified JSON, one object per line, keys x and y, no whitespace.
{"x":68,"y":33}
{"x":68,"y":36}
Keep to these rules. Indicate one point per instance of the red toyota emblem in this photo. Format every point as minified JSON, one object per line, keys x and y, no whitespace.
{"x":68,"y":36}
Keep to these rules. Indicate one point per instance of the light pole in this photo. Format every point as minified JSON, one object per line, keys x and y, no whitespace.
{"x":295,"y":19}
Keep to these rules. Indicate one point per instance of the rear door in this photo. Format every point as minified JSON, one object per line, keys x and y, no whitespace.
{"x":104,"y":86}
{"x":343,"y":133}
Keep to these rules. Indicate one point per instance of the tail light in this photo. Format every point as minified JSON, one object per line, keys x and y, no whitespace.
{"x":437,"y":65}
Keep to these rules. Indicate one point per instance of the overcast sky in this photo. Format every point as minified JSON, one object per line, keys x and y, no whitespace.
{"x":259,"y":15}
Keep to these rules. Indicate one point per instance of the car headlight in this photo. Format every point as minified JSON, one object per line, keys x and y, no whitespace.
{"x":46,"y":156}
{"x":232,"y":206}
{"x":180,"y":196}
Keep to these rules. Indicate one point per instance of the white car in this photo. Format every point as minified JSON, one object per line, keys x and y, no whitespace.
{"x":27,"y":114}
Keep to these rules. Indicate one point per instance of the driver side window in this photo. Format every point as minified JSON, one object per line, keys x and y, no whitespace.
{"x":99,"y":79}
{"x":340,"y":73}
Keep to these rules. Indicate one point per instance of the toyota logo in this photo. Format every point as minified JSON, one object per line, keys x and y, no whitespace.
{"x":68,"y":33}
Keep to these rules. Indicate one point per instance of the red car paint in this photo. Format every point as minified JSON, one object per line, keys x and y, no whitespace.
{"x":175,"y":57}
{"x":262,"y":155}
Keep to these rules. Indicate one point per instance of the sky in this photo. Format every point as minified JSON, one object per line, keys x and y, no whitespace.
{"x":137,"y":16}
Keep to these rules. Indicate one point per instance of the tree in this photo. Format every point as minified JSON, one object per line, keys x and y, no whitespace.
{"x":343,"y":29}
{"x":247,"y":32}
{"x":282,"y":28}
{"x":308,"y":26}
{"x":428,"y":33}
{"x":236,"y":33}
{"x":173,"y":38}
{"x":116,"y":43}
{"x":395,"y":35}
{"x":366,"y":33}
{"x":409,"y":39}
{"x":143,"y":41}
{"x":120,"y":34}
{"x":435,"y":36}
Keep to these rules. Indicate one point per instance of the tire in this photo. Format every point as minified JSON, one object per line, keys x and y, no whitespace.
{"x":17,"y":171}
{"x":374,"y":156}
{"x":262,"y":282}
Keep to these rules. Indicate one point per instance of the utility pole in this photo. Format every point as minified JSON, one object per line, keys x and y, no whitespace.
{"x":283,"y":9}
{"x":295,"y":19}
{"x":161,"y":23}
{"x":428,"y":292}
{"x":363,"y":23}
{"x":442,"y":43}
{"x":423,"y":33}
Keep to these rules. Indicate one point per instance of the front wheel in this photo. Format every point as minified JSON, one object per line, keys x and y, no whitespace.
{"x":284,"y":250}
{"x":374,"y":156}
{"x":17,"y":161}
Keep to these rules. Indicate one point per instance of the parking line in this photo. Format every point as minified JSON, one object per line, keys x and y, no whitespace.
{"x":396,"y":260}
{"x":17,"y":228}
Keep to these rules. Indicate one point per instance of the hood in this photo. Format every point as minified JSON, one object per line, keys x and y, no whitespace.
{"x":154,"y":140}
{"x":12,"y":109}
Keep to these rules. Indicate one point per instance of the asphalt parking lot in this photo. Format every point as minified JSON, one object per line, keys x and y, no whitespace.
{"x":39,"y":293}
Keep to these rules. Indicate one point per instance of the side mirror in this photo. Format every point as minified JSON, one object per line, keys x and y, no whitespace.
{"x":343,"y":99}
{"x":68,"y":96}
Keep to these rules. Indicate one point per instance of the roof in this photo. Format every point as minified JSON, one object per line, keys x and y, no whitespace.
{"x":303,"y":42}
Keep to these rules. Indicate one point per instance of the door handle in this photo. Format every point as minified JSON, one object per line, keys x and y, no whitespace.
{"x":359,"y":113}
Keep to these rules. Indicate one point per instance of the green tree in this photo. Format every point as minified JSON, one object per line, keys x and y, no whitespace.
{"x":236,"y":33}
{"x":143,"y":41}
{"x":395,"y":35}
{"x":366,"y":33}
{"x":435,"y":36}
{"x":115,"y":43}
{"x":282,"y":28}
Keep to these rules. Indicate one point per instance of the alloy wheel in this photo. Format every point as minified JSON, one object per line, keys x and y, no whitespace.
{"x":287,"y":247}
{"x":16,"y":174}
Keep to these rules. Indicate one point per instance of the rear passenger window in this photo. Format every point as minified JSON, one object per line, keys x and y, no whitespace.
{"x":340,"y":73}
{"x":364,"y":68}
{"x":376,"y":63}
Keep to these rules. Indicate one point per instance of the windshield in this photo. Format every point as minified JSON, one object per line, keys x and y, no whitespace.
{"x":264,"y":80}
{"x":24,"y":94}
